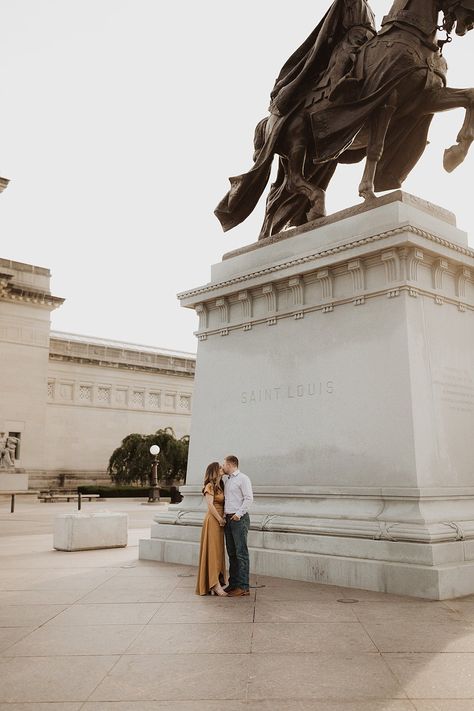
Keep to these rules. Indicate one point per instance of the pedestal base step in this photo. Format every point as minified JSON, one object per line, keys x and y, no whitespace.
{"x":392,"y":572}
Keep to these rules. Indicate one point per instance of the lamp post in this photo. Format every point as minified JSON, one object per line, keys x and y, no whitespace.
{"x":154,"y":496}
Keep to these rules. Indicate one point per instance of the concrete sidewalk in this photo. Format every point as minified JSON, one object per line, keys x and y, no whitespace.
{"x":101,"y":630}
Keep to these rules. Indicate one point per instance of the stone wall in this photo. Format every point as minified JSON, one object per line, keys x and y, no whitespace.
{"x":99,"y":391}
{"x":25,"y":306}
{"x":71,"y":399}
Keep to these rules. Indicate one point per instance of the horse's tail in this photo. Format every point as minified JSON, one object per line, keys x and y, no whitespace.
{"x":259,"y":136}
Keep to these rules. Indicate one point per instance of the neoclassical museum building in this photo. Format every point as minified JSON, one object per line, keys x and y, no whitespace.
{"x":70,"y":399}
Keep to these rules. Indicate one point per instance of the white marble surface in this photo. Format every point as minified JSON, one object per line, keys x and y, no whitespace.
{"x":85,"y":531}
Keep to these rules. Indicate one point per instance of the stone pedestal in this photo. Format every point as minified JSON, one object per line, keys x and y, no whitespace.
{"x":337,"y":361}
{"x":13,"y":480}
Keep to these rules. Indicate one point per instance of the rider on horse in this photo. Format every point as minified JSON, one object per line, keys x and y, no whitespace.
{"x":349,"y":93}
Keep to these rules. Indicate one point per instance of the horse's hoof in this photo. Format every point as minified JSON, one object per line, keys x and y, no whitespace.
{"x":315,"y":214}
{"x":453,"y":157}
{"x":367,"y":194}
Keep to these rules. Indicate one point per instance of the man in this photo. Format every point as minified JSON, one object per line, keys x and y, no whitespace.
{"x":238,"y":497}
{"x":311,"y":71}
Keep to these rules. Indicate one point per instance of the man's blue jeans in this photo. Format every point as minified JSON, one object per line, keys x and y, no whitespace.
{"x":236,"y":544}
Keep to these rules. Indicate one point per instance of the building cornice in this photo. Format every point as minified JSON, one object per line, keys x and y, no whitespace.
{"x":120,"y":356}
{"x":10,"y":291}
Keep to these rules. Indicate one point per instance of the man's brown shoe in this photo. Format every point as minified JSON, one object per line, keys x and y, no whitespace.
{"x":238,"y":592}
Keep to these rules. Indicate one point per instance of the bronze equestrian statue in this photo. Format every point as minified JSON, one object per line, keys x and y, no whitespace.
{"x":348,"y":93}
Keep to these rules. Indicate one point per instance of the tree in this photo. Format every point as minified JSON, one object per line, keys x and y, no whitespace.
{"x":131,"y":462}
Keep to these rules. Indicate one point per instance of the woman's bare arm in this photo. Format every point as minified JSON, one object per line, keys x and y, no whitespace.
{"x":212,"y":509}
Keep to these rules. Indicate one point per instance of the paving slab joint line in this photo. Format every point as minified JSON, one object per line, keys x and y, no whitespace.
{"x":119,"y":657}
{"x":89,"y":592}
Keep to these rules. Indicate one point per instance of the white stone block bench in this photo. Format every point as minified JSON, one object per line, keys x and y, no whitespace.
{"x":86,"y":531}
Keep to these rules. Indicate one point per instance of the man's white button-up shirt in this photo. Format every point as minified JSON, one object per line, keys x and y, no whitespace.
{"x":238,"y":493}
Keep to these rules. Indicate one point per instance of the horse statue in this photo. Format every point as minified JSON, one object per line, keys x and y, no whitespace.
{"x":348,"y":93}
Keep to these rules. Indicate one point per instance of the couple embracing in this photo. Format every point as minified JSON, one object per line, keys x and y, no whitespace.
{"x":228,"y":494}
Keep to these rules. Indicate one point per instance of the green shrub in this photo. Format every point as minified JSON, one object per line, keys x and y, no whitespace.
{"x":114,"y":492}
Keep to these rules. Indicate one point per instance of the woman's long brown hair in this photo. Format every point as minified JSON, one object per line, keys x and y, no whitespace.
{"x":211,"y":476}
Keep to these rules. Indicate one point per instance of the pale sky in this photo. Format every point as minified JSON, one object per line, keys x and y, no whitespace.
{"x":121,"y":121}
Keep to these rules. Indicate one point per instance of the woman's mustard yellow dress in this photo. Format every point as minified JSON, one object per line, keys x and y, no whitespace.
{"x":211,"y":554}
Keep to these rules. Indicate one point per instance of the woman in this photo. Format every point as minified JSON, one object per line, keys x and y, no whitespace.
{"x":211,"y":571}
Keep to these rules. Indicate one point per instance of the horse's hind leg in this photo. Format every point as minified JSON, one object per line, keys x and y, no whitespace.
{"x":377,"y":131}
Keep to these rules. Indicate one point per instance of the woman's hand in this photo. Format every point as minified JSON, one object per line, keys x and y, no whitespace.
{"x":222,"y":522}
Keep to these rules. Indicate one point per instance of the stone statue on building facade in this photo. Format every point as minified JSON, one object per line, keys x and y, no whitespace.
{"x":8,"y":445}
{"x":350,"y":93}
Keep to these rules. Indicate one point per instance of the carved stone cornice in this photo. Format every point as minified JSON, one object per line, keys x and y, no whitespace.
{"x":5,"y":282}
{"x":329,"y":251}
{"x":10,"y":292}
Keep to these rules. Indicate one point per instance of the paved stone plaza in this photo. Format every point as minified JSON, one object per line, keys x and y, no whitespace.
{"x":101,"y":630}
